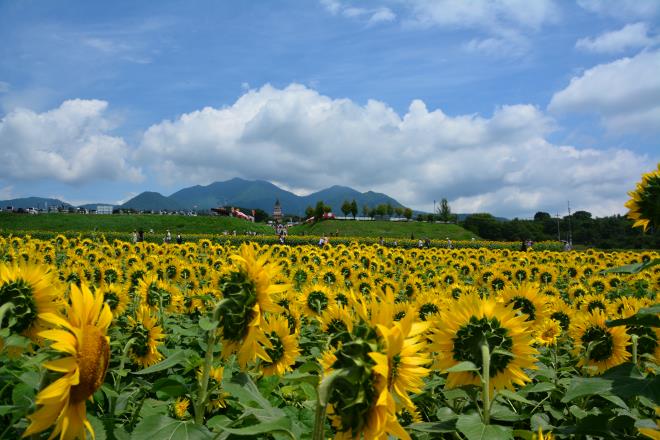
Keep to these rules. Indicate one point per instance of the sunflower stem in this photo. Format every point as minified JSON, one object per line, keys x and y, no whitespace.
{"x":485,"y":379}
{"x":202,"y":396}
{"x":319,"y":421}
{"x":204,"y":381}
{"x":634,"y":348}
{"x":117,"y":377}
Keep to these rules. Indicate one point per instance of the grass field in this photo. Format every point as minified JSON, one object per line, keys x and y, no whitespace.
{"x":216,"y":225}
{"x":127,"y":223}
{"x":385,"y":229}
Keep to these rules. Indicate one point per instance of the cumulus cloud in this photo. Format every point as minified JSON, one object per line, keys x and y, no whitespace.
{"x":625,"y":9}
{"x":502,"y":163}
{"x":68,"y":144}
{"x":625,"y":93}
{"x":631,"y":36}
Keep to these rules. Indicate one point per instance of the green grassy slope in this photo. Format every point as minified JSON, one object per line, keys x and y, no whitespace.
{"x":127,"y":223}
{"x":385,"y":229}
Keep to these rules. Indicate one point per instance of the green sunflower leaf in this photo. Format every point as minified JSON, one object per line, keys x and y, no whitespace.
{"x":167,"y":428}
{"x":473,"y":428}
{"x":282,"y":424}
{"x":446,"y":426}
{"x":514,"y":396}
{"x":647,"y":317}
{"x":179,"y":357}
{"x":207,"y":324}
{"x":462,"y":366}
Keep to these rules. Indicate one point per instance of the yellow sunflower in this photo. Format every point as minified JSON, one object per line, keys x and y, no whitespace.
{"x":644,"y":203}
{"x":315,"y":298}
{"x":406,"y":355}
{"x":147,"y":336}
{"x":247,"y":295}
{"x":597,"y":346}
{"x":527,"y":300}
{"x":83,"y":337}
{"x":115,"y":296}
{"x":473,"y":320}
{"x":428,"y":304}
{"x":336,"y":321}
{"x":180,"y":408}
{"x":283,"y":350}
{"x":548,"y":332}
{"x":32,"y":291}
{"x":155,"y":294}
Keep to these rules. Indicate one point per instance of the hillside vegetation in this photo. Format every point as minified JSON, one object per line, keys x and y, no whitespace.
{"x":57,"y":222}
{"x":127,"y":223}
{"x":385,"y":229}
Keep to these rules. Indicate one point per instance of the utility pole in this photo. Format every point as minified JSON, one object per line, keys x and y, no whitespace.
{"x":558,"y":231}
{"x":570,"y":231}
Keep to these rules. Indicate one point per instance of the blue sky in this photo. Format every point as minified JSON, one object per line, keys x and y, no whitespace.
{"x":505,"y":106}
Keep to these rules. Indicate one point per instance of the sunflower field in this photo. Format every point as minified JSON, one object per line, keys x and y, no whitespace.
{"x":113,"y":340}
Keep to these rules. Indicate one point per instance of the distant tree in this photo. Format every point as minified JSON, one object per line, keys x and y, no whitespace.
{"x":354,"y":208}
{"x":259,"y":215}
{"x":318,"y":211}
{"x":407,"y":213}
{"x":444,"y":211}
{"x":541,"y":216}
{"x":372,"y":212}
{"x":309,"y":212}
{"x":399,"y":211}
{"x":389,"y":208}
{"x":381,"y":209}
{"x":346,"y":208}
{"x":365,"y":210}
{"x":327,"y":208}
{"x":581,"y":215}
{"x":484,"y":225}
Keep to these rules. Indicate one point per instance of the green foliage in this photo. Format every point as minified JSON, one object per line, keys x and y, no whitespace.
{"x":615,"y":232}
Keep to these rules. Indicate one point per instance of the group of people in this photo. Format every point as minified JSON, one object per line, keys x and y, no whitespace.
{"x":138,"y":236}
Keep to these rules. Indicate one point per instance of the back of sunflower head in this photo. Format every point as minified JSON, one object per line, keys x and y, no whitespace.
{"x":644,"y":203}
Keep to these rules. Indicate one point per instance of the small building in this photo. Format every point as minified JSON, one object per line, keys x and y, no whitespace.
{"x":277,"y":211}
{"x":104,"y":209}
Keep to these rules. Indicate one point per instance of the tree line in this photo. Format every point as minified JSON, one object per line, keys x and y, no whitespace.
{"x":581,"y":228}
{"x":350,"y":208}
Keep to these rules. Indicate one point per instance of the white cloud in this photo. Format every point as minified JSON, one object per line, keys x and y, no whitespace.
{"x":623,"y":9}
{"x":625,"y":93}
{"x":67,"y":144}
{"x":332,"y":6}
{"x":502,"y":163}
{"x":382,"y":15}
{"x":501,"y":26}
{"x":492,"y":14}
{"x":507,"y":43}
{"x":631,"y":36}
{"x":506,"y":23}
{"x":372,"y":15}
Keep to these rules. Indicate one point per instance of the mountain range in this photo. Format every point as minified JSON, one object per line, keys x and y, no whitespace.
{"x":252,"y":194}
